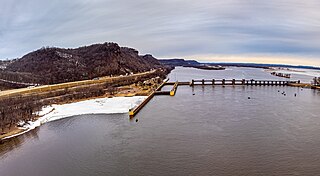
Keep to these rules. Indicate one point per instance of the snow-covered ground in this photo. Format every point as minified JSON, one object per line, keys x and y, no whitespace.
{"x":94,"y":106}
{"x":306,"y":72}
{"x":304,"y":75}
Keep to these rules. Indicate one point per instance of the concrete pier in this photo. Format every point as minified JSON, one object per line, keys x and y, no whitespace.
{"x":174,"y":89}
{"x":172,"y":92}
{"x":134,"y":111}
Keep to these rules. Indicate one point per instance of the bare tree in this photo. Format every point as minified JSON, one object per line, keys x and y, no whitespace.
{"x":316,"y":81}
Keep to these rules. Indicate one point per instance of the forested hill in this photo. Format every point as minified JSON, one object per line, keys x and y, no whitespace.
{"x":57,"y":65}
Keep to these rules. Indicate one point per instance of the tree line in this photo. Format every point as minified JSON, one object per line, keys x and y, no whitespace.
{"x":316,"y":81}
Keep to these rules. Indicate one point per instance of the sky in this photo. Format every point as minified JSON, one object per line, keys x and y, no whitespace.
{"x":273,"y":31}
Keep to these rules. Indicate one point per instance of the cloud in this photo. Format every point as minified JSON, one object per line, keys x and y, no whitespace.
{"x":166,"y":28}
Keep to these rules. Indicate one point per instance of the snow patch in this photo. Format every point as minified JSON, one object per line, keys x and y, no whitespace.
{"x":114,"y":105}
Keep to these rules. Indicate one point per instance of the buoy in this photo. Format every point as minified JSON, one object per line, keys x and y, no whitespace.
{"x":193,"y":94}
{"x":136,"y":120}
{"x":249,"y":98}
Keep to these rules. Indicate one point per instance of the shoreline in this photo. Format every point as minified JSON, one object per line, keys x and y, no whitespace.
{"x":54,"y":112}
{"x":110,"y":101}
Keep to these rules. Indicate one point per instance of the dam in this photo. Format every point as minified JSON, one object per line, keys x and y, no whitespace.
{"x":212,"y":82}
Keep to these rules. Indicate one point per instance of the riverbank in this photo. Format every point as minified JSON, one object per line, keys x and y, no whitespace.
{"x":119,"y":100}
{"x":22,"y":105}
{"x":69,"y":85}
{"x":93,"y":106}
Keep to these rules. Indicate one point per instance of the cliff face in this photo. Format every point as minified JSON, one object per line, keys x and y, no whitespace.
{"x":56,"y":65}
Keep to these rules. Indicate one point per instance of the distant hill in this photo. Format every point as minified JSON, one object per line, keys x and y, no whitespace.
{"x":57,"y":65}
{"x":179,"y":62}
{"x":194,"y":63}
{"x":190,"y":63}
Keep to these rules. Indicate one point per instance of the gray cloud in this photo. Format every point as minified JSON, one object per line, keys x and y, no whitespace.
{"x":166,"y":28}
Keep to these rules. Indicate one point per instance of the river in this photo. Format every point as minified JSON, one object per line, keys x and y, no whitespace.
{"x":204,"y":130}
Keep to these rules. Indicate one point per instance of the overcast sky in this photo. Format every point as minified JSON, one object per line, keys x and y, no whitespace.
{"x":279,"y":31}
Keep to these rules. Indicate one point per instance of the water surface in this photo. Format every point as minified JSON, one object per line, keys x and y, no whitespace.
{"x":205,"y":130}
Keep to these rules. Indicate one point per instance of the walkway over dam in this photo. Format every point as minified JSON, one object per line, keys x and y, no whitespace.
{"x":203,"y":82}
{"x":242,"y":82}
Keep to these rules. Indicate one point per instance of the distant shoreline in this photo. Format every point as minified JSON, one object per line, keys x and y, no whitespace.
{"x":195,"y":63}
